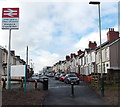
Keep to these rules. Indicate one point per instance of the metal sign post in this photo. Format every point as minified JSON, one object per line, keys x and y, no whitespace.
{"x":25,"y":78}
{"x":26,"y":70}
{"x":10,"y":20}
{"x":8,"y":62}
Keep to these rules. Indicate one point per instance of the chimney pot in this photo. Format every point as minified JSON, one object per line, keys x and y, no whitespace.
{"x":67,"y":57}
{"x":79,"y":52}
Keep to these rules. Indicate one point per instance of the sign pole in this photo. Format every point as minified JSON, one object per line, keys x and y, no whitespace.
{"x":8,"y":62}
{"x":26,"y":69}
{"x":10,"y":20}
{"x":25,"y":78}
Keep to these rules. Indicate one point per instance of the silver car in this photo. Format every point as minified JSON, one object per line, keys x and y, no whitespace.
{"x":35,"y":77}
{"x":71,"y":78}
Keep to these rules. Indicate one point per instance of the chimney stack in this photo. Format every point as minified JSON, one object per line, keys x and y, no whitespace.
{"x":112,"y":35}
{"x":92,"y":45}
{"x":80,"y":52}
{"x":67,"y":57}
{"x":72,"y":55}
{"x":13,"y":52}
{"x":60,"y":62}
{"x":18,"y":57}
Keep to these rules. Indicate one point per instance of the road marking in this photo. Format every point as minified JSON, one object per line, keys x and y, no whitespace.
{"x":59,"y":86}
{"x":65,"y":86}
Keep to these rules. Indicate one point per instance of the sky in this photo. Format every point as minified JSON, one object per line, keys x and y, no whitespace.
{"x":52,"y":30}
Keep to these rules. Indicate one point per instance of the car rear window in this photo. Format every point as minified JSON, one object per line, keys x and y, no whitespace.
{"x":57,"y":74}
{"x":72,"y":75}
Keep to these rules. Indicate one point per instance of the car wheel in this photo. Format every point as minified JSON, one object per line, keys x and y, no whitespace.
{"x":67,"y":82}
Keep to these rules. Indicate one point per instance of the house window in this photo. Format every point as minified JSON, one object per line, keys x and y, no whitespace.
{"x":106,"y":53}
{"x":82,"y":61}
{"x":91,"y":58}
{"x":99,"y":68}
{"x":106,"y":65}
{"x":104,"y":68}
{"x":85,"y":60}
{"x":99,"y":56}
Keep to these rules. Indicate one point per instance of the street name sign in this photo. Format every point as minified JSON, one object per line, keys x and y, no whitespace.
{"x":10,"y":18}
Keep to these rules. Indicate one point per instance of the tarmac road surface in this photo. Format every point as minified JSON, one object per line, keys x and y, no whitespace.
{"x":60,"y":93}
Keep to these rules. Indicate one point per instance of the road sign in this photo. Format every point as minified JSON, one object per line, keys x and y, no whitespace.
{"x":10,"y":18}
{"x":18,"y":70}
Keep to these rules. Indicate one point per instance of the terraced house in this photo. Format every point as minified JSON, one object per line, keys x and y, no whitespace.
{"x":3,"y":61}
{"x":88,"y":61}
{"x":89,"y":58}
{"x":110,"y":53}
{"x":14,"y":60}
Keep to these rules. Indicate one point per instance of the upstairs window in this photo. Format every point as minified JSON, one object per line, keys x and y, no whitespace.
{"x":106,"y":53}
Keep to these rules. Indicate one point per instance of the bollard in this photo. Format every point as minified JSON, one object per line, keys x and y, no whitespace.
{"x":4,"y":83}
{"x":72,"y":88}
{"x":35,"y":84}
{"x":22,"y":83}
{"x":45,"y":83}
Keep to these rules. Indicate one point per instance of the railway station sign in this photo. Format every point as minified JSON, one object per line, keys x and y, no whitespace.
{"x":10,"y":18}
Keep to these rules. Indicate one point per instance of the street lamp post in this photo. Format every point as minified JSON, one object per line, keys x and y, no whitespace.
{"x":102,"y":80}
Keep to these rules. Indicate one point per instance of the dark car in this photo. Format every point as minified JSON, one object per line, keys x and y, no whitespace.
{"x":57,"y":75}
{"x":71,"y":78}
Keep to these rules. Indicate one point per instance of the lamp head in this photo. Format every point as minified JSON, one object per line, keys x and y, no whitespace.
{"x":94,"y":2}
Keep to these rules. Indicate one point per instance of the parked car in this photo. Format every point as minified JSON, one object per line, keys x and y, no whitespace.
{"x":50,"y":74}
{"x":57,"y":75}
{"x":71,"y":78}
{"x":62,"y":77}
{"x":35,"y":77}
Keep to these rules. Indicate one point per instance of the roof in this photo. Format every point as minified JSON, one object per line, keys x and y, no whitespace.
{"x":102,"y":45}
{"x":81,"y":55}
{"x":107,"y":43}
{"x":87,"y":50}
{"x":1,"y":47}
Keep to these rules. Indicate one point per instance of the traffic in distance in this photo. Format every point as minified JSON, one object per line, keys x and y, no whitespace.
{"x":66,"y":78}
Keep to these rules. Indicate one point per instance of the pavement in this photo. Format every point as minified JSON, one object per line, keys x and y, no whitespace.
{"x":60,"y":94}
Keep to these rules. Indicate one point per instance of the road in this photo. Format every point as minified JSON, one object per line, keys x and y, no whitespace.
{"x":59,"y":93}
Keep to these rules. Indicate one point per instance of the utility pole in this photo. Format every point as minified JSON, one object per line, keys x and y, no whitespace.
{"x":27,"y":56}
